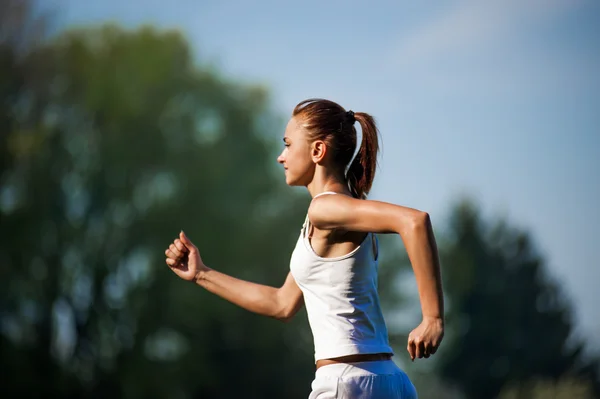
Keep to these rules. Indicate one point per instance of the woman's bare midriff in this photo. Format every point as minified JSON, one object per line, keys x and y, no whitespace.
{"x":371,"y":357}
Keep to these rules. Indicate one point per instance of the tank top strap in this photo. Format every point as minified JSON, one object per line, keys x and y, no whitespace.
{"x":324,"y":193}
{"x":305,"y":224}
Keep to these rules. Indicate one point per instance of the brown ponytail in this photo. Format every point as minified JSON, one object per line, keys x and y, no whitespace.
{"x":328,"y":121}
{"x":361,"y":172}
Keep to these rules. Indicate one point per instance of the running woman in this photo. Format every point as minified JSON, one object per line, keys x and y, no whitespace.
{"x":333,"y":268}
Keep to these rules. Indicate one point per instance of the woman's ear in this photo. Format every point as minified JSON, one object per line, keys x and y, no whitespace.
{"x":318,"y":151}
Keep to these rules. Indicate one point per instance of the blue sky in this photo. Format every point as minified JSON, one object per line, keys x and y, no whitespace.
{"x":497,"y":99}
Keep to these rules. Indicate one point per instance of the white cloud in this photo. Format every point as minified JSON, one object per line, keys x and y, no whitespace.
{"x":471,"y":24}
{"x":493,"y":48}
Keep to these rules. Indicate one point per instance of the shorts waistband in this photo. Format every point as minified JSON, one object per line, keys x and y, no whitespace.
{"x":338,"y":370}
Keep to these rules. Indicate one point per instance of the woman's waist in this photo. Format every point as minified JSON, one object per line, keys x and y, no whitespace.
{"x":345,"y":329}
{"x":355,"y":358}
{"x":343,"y":311}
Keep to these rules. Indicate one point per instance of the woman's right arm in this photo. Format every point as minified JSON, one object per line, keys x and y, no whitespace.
{"x":281,"y":303}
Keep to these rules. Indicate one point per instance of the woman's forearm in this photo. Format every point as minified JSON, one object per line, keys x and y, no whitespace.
{"x":257,"y":298}
{"x":422,"y":251}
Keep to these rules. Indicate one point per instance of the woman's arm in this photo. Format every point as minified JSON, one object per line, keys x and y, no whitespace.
{"x":281,"y":303}
{"x":414,"y":227}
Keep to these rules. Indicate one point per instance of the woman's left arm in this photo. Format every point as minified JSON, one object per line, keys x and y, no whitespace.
{"x":414,"y":227}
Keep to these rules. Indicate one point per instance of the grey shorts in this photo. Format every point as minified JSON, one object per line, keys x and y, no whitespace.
{"x":363,"y":380}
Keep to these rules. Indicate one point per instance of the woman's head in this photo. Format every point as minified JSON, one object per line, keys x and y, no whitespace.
{"x":322,"y":132}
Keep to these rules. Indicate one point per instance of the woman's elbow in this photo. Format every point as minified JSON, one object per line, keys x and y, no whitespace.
{"x":286,"y":313}
{"x":420,"y":221}
{"x":285,"y":317}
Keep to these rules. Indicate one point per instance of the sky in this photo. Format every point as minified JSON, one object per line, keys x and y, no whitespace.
{"x":498,"y":100}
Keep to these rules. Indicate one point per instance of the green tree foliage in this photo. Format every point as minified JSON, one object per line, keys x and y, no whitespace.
{"x":564,"y":388}
{"x":112,"y":142}
{"x":509,"y":322}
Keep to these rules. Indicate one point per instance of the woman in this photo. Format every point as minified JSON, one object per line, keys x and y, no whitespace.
{"x":333,"y":268}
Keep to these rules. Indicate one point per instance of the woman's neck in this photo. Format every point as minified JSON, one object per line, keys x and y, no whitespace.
{"x":325,"y":180}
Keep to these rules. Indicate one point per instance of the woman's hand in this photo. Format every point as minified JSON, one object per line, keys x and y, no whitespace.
{"x":184,"y":259}
{"x":424,"y":340}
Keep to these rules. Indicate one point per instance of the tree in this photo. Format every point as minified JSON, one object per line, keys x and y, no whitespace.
{"x":564,"y":388}
{"x":116,"y":143}
{"x":511,"y":323}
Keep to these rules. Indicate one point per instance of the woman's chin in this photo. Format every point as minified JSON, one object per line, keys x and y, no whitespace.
{"x":290,"y":182}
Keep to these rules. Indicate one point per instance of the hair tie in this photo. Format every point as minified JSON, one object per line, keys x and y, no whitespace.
{"x":350,"y":116}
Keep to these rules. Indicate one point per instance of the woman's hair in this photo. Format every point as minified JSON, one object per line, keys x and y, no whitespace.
{"x":328,"y":121}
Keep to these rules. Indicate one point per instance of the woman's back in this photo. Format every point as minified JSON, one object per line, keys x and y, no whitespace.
{"x":341,"y":298}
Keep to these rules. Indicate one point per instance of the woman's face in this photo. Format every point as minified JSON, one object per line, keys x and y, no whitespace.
{"x":296,"y":156}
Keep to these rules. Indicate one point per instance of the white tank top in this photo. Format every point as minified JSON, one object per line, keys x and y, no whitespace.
{"x":341,"y":298}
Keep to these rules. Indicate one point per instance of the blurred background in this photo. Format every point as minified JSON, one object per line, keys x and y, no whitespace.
{"x":124,"y":122}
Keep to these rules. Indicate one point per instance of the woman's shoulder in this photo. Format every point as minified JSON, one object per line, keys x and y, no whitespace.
{"x":325,"y":210}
